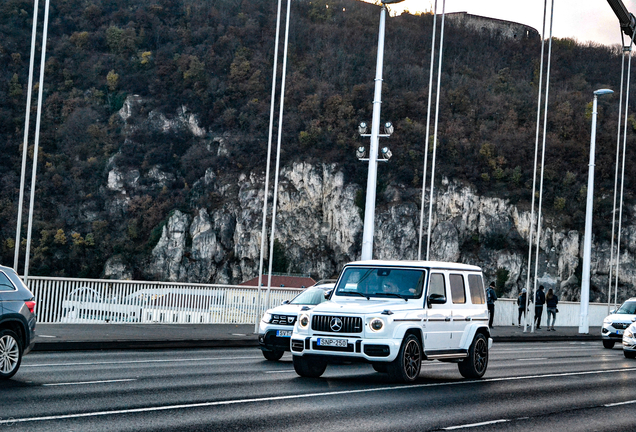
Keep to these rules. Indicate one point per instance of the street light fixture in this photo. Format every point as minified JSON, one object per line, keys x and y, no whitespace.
{"x":584,"y":322}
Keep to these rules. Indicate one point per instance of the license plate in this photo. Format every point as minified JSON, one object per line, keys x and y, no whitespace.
{"x":283,"y":333}
{"x":332,"y":342}
{"x":619,"y":332}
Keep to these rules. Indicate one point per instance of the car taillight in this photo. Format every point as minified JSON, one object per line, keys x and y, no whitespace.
{"x":31,"y":305}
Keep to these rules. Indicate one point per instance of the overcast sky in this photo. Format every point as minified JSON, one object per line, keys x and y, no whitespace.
{"x":584,"y":20}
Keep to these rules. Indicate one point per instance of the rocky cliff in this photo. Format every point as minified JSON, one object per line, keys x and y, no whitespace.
{"x":319,"y":226}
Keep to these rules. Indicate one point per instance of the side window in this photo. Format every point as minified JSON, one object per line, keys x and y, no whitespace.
{"x":476,"y":285}
{"x":5,"y":283}
{"x":437,"y":285}
{"x":457,"y":288}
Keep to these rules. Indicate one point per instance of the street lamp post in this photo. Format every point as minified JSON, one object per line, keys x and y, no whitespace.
{"x":369,"y":208}
{"x":584,"y":322}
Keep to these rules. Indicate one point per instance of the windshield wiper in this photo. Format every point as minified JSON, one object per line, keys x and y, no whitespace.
{"x":391,"y":294}
{"x":356,"y":293}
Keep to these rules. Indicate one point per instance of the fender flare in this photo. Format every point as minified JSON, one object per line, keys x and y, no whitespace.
{"x":469,"y":334}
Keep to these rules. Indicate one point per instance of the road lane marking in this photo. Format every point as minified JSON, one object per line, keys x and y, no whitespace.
{"x":476,"y":424}
{"x":88,"y":382}
{"x":280,"y":371}
{"x":45,"y":336}
{"x":138,"y":361}
{"x":303,"y":396}
{"x":620,"y":403}
{"x":532,"y":359}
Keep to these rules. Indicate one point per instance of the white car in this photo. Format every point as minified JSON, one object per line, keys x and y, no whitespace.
{"x":615,"y":324}
{"x":276,"y":326}
{"x":394,"y":315}
{"x":629,"y":341}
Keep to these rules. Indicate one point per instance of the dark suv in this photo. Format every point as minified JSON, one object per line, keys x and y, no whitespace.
{"x":17,"y":322}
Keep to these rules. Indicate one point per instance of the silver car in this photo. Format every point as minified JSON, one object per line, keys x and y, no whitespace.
{"x":17,"y":322}
{"x":615,"y":323}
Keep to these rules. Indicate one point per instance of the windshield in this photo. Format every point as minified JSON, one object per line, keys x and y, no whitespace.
{"x":311,"y":296}
{"x":381,"y":282}
{"x":628,"y":308}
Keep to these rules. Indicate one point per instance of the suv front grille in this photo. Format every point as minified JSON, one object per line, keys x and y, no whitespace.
{"x":620,"y":325}
{"x":283,"y":319}
{"x":336,"y":324}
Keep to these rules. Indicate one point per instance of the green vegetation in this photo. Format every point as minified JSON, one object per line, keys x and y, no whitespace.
{"x":215,"y":58}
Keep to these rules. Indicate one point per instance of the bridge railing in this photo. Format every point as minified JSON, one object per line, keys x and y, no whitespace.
{"x":507,"y":311}
{"x":65,"y":300}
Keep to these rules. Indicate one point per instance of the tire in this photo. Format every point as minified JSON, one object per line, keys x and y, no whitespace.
{"x":273,"y":355}
{"x":380,"y":367}
{"x":10,"y":354}
{"x":406,"y":367}
{"x":475,"y":365}
{"x":629,"y":354}
{"x":609,"y":344}
{"x":309,"y":367}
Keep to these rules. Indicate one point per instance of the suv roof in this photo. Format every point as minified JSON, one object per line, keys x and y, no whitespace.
{"x":418,"y":264}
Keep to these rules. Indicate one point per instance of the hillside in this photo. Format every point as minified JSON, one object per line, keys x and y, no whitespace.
{"x":208,"y":63}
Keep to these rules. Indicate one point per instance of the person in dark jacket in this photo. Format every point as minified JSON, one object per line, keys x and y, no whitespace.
{"x":551,"y":302}
{"x":539,"y":301}
{"x":521,"y":304}
{"x":491,"y":298}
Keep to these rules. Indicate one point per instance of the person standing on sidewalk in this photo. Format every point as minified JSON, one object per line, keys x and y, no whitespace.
{"x":539,"y":301}
{"x":521,"y":303}
{"x":491,"y":297}
{"x":551,"y":302}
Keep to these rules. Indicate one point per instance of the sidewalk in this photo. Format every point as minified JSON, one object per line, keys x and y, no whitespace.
{"x":61,"y":337}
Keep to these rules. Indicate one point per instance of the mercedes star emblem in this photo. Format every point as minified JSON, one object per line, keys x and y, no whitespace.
{"x":335,"y":324}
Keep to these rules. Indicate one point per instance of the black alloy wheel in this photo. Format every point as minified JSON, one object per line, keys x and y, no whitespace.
{"x":475,"y":365}
{"x":406,"y":367}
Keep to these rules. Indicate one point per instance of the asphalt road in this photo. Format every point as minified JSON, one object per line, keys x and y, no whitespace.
{"x":528,"y":387}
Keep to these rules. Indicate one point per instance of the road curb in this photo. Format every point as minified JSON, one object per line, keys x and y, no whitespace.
{"x":147,"y":344}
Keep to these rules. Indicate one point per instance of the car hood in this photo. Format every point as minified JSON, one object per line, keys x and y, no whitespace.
{"x":621,"y":318}
{"x":289,"y":309}
{"x":374,"y":305}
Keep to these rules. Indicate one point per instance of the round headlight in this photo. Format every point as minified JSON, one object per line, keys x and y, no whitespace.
{"x":376,"y":324}
{"x":303,"y":322}
{"x":267,"y":317}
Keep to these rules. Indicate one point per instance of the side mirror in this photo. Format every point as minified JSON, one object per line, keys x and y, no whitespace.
{"x":613,"y":311}
{"x":435,"y":299}
{"x":285,"y":302}
{"x":328,"y":294}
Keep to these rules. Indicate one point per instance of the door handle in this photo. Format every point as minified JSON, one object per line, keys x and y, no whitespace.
{"x":469,"y":318}
{"x":447,"y":319}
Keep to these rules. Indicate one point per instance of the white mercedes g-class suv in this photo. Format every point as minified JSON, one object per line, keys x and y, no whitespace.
{"x":394,"y":314}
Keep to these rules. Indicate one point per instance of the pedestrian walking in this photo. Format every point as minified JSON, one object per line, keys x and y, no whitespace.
{"x":551,"y":302}
{"x":539,"y":301}
{"x":491,"y":299}
{"x":521,"y":304}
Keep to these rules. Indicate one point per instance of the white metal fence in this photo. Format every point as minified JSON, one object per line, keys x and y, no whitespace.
{"x":507,"y":312}
{"x":64,"y":300}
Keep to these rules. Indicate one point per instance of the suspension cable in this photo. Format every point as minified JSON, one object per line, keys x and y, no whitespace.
{"x":620,"y":213}
{"x":439,"y":78}
{"x":269,"y":155}
{"x":545,"y":125}
{"x":428,"y":124}
{"x":280,"y":137}
{"x":25,"y":142}
{"x":534,"y":170}
{"x":618,"y":142}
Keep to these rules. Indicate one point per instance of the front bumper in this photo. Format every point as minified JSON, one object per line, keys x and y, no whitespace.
{"x":356,"y":349}
{"x":629,"y":344}
{"x":610,"y":333}
{"x":269,"y":341}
